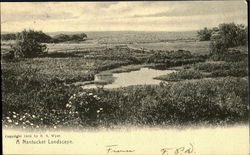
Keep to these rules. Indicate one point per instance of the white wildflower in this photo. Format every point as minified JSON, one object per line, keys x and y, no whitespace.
{"x":68,"y":105}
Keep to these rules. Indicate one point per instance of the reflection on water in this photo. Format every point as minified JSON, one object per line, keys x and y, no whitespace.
{"x":140,"y":77}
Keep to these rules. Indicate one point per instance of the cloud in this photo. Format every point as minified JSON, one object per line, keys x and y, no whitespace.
{"x":196,"y":8}
{"x":106,"y":16}
{"x":27,"y":16}
{"x":105,"y":4}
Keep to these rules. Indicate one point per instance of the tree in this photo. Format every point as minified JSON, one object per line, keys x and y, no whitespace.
{"x":38,"y":36}
{"x":27,"y":45}
{"x":228,"y":35}
{"x":205,"y":34}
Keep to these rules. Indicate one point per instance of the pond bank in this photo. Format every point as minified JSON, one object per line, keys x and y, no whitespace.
{"x":126,"y":76}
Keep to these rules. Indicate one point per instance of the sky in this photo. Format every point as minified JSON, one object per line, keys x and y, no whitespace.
{"x":120,"y":16}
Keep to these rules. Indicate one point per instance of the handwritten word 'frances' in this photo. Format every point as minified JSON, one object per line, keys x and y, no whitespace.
{"x":116,"y":149}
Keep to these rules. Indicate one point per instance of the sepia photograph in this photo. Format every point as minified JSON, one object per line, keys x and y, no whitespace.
{"x":125,"y":77}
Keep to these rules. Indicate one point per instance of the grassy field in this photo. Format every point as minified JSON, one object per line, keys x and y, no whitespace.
{"x":41,"y":92}
{"x":195,"y":47}
{"x":192,"y":46}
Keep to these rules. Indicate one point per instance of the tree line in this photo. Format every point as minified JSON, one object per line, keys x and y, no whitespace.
{"x":30,"y":43}
{"x":41,"y":37}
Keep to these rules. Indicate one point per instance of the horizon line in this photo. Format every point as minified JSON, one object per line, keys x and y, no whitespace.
{"x":106,"y":31}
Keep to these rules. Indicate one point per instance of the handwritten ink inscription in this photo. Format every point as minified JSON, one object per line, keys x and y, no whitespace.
{"x":117,"y":149}
{"x":178,"y":150}
{"x":114,"y":149}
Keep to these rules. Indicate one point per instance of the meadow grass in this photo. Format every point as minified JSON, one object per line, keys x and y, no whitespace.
{"x":200,"y":48}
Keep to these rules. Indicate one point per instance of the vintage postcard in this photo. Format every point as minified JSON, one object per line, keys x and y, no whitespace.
{"x":125,"y":77}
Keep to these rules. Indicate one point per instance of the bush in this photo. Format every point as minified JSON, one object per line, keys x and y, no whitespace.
{"x":27,"y":45}
{"x":87,"y":105}
{"x":228,"y":35}
{"x":205,"y":34}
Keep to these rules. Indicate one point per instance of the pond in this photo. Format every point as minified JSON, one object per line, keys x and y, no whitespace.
{"x":139,"y":77}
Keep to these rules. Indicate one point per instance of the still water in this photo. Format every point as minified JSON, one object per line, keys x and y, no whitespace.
{"x":139,"y":77}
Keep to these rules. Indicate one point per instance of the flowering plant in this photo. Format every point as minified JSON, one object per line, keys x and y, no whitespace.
{"x":87,"y":105}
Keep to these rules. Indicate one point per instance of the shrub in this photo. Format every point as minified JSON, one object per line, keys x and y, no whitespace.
{"x":27,"y":45}
{"x":205,"y":34}
{"x":87,"y":105}
{"x":228,"y":35}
